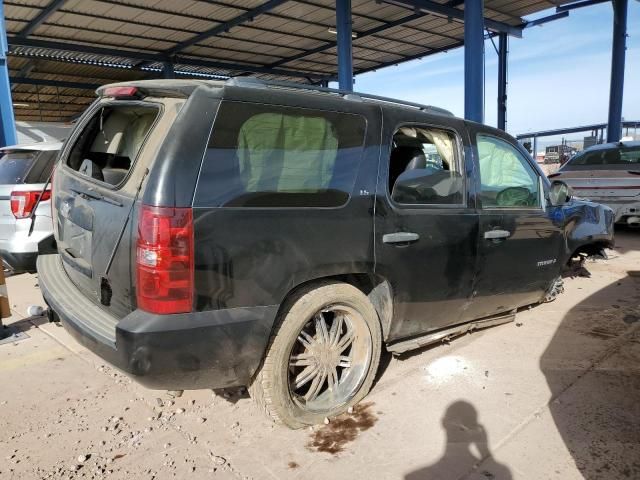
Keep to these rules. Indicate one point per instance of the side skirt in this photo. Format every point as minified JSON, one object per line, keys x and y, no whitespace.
{"x":447,"y":334}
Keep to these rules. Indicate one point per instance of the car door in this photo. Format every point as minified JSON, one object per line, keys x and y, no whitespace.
{"x":519,"y":241}
{"x":425,"y":229}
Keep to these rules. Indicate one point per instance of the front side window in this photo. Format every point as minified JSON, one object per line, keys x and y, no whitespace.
{"x":424,"y":167}
{"x":271,"y":156}
{"x":111,"y":141}
{"x":507,"y":178}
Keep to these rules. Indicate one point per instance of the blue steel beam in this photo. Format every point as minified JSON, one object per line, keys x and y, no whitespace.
{"x":7,"y":121}
{"x":573,"y":6}
{"x":503,"y":52}
{"x":40,"y":18}
{"x":457,"y":14}
{"x":473,"y":60}
{"x":345,"y":47}
{"x":226,"y":26}
{"x":543,"y":20}
{"x":360,"y":35}
{"x":618,"y":53}
{"x":582,"y":128}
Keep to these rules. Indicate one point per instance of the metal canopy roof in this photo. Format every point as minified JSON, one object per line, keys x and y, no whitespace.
{"x":61,"y":50}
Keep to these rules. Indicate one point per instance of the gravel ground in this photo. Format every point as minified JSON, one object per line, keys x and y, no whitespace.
{"x":555,"y":394}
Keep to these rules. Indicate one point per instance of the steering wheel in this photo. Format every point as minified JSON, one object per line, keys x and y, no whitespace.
{"x":514,"y":197}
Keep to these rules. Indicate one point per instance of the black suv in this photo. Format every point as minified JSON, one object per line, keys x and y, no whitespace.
{"x":214,"y":234}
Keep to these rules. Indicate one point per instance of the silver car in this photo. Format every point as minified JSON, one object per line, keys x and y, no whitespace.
{"x":608,"y":174}
{"x":24,"y":171}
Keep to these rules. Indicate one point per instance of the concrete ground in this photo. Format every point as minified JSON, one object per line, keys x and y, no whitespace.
{"x":554,"y":395}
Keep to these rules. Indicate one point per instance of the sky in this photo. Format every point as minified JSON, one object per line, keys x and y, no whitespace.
{"x":558,"y":74}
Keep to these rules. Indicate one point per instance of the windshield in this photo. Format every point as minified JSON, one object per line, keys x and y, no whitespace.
{"x":622,"y":157}
{"x":14,"y":166}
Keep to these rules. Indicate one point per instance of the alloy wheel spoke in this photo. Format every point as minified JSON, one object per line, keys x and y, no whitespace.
{"x":316,"y":386}
{"x":309,"y":373}
{"x":321,"y":329}
{"x":336,"y":329}
{"x":346,"y":340}
{"x":345,"y":361}
{"x":301,"y":360}
{"x":333,"y":378}
{"x":306,"y":340}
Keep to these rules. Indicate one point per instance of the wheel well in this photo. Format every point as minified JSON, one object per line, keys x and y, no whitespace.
{"x":589,"y":250}
{"x":375,"y":287}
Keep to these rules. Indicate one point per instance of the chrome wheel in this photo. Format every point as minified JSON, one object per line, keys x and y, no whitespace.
{"x":329,"y":359}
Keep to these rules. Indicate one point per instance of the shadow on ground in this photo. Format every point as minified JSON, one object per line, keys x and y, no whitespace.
{"x":598,"y":414}
{"x":466,"y":447}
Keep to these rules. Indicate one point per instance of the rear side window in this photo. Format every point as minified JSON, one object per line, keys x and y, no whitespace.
{"x":110,"y":142}
{"x":629,"y":156}
{"x":270,"y":156}
{"x":424,"y":168}
{"x":14,"y":166}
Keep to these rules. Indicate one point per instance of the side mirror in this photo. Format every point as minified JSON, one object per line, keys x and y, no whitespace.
{"x":559,"y":193}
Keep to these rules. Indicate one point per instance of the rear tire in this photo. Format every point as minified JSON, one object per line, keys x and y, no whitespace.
{"x":322,"y":356}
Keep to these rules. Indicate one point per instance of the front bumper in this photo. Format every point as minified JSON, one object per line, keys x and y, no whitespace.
{"x":213,"y":349}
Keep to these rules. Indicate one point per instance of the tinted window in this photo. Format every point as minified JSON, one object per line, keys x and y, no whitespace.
{"x":269,"y":156}
{"x":42,"y":168}
{"x":611,"y":156}
{"x":15,"y":166}
{"x":507,"y":178}
{"x":111,"y":141}
{"x":424,"y":167}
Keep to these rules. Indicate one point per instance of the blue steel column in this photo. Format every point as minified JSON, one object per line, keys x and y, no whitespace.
{"x":473,"y":60}
{"x":7,"y":122}
{"x":345,"y":49}
{"x":614,"y":126}
{"x":502,"y":80}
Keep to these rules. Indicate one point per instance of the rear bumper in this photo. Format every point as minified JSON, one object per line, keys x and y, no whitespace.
{"x":19,"y":249}
{"x":622,"y":208}
{"x":213,"y":349}
{"x":20,"y":262}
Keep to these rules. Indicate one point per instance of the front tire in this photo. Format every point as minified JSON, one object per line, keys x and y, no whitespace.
{"x":322,"y":357}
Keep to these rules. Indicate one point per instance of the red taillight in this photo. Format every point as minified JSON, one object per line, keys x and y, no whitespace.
{"x":164,"y":260}
{"x":22,"y":203}
{"x":121,"y":92}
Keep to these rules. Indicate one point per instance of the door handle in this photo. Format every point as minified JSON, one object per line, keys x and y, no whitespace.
{"x":497,"y":234}
{"x":400,"y":237}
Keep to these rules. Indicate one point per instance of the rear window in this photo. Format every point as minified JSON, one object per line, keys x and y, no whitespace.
{"x":627,"y":157}
{"x":269,"y":156}
{"x":110,"y":142}
{"x":21,"y":166}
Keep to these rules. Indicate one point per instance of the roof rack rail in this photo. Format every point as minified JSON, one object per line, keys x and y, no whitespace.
{"x":259,"y":83}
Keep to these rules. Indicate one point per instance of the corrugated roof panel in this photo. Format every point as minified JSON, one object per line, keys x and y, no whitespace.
{"x":287,"y":31}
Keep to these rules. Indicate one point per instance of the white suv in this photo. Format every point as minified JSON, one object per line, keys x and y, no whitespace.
{"x":24,"y":171}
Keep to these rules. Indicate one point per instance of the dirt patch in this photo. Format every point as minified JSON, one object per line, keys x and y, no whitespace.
{"x":333,"y":438}
{"x":293,"y":465}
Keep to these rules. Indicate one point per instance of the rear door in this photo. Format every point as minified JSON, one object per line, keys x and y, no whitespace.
{"x":519,"y":240}
{"x":102,"y":168}
{"x":425,"y":228}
